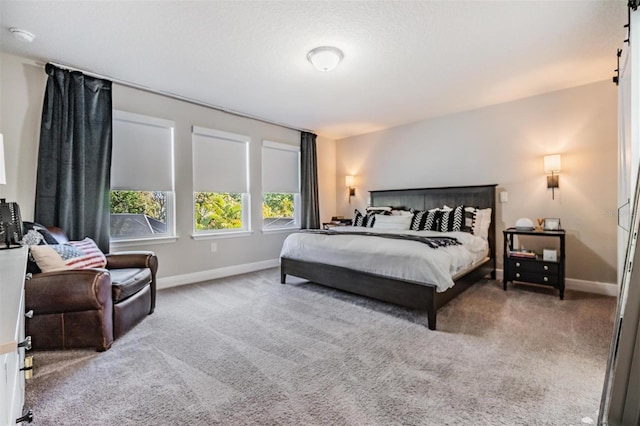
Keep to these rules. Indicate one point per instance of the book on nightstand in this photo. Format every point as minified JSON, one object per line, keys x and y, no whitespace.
{"x":527,"y":254}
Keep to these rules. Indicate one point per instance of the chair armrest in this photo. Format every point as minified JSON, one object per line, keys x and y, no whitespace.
{"x":133,"y":259}
{"x":68,"y":291}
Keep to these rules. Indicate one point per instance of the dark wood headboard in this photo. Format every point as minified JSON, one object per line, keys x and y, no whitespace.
{"x":481,"y":196}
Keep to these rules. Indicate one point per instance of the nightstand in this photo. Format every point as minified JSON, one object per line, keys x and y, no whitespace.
{"x":343,"y":222}
{"x":524,"y":266}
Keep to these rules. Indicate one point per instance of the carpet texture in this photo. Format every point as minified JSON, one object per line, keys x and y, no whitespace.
{"x":247,"y":350}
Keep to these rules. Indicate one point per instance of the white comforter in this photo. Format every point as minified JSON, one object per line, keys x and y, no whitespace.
{"x":404,"y":259}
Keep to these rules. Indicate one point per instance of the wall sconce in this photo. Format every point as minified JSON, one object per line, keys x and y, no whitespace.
{"x":552,"y":167}
{"x":348,"y":180}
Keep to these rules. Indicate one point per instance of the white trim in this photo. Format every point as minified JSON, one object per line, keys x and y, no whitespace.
{"x":228,"y":234}
{"x":596,"y":287}
{"x":607,"y":289}
{"x":142,"y":119}
{"x":280,"y":146}
{"x":212,"y":274}
{"x":282,"y":230}
{"x":219,"y":134}
{"x":116,"y":244}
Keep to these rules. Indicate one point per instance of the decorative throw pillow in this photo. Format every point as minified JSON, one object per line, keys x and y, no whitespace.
{"x":482,"y":222}
{"x":452,"y":220}
{"x":366,"y":220}
{"x":392,"y":222}
{"x":469,"y":218}
{"x":93,"y":256}
{"x":33,"y":238}
{"x":54,"y":257}
{"x":379,"y":210}
{"x":401,"y":213}
{"x":48,"y":237}
{"x":425,"y":220}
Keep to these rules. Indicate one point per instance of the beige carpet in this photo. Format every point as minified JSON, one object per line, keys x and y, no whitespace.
{"x":249,"y":351}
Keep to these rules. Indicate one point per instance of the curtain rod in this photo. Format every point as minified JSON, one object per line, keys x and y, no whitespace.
{"x":175,"y":96}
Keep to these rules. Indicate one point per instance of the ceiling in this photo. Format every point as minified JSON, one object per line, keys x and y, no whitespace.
{"x":404,"y":61}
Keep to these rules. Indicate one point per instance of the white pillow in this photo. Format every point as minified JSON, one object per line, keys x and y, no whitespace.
{"x":482,"y":223}
{"x":378,"y":209}
{"x":401,"y":213}
{"x":392,"y":222}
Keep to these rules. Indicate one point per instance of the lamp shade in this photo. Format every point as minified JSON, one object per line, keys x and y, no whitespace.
{"x":552,"y":163}
{"x":3,"y":174}
{"x":348,"y":181}
{"x":325,"y":58}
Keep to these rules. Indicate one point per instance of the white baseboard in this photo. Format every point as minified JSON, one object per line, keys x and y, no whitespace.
{"x":213,"y":274}
{"x":607,"y":289}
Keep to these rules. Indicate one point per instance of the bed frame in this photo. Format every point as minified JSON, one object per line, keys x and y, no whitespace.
{"x":411,"y":294}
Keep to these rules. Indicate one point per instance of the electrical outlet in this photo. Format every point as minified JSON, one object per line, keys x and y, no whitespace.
{"x":214,"y":247}
{"x":504,"y":197}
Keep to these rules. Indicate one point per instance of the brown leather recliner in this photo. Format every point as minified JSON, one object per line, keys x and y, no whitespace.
{"x":90,"y":307}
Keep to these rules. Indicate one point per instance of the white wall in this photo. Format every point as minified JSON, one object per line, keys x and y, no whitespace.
{"x":23,"y":82}
{"x":505,"y":145}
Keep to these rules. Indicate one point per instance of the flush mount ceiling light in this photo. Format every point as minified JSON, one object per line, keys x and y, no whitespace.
{"x":22,"y":35}
{"x":325,"y":58}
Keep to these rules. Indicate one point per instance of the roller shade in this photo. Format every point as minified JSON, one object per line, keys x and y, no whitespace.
{"x":142,"y":155}
{"x":280,"y":167}
{"x":220,"y":161}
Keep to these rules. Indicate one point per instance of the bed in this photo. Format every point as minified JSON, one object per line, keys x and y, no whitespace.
{"x":409,"y":293}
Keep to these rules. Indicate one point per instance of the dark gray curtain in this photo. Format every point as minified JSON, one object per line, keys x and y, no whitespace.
{"x":74,"y":158}
{"x":309,"y":182}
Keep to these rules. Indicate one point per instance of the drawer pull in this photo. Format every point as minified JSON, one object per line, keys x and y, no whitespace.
{"x":29,"y":313}
{"x":518,"y":264}
{"x":545,"y":279}
{"x":26,"y":343}
{"x":546,"y":268}
{"x":26,"y":418}
{"x":517,"y":275}
{"x":28,"y":367}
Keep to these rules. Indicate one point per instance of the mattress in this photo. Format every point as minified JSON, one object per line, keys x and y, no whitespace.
{"x":395,"y":258}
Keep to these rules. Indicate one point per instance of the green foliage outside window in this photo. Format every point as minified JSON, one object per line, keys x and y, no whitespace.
{"x":218,"y":210}
{"x":150,"y":203}
{"x":276,"y":204}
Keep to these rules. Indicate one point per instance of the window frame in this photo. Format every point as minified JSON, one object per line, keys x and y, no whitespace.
{"x":170,"y":235}
{"x":246,"y":196}
{"x":297,"y":200}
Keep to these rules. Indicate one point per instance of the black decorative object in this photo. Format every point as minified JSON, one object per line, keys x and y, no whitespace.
{"x":10,"y":225}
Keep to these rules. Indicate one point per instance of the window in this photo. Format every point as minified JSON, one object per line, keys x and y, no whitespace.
{"x":220,"y":181}
{"x":142,"y":200}
{"x":280,"y":185}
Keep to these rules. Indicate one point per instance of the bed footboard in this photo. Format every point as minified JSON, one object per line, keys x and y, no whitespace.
{"x":404,"y":293}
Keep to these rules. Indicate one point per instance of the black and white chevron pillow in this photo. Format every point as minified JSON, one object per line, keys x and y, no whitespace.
{"x":452,"y":220}
{"x":363,"y":220}
{"x":425,"y":220}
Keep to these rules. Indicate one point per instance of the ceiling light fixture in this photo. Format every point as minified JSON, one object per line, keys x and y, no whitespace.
{"x":325,"y":58}
{"x":22,"y":35}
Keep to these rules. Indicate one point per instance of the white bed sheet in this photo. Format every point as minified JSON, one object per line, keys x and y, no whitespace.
{"x":404,"y":259}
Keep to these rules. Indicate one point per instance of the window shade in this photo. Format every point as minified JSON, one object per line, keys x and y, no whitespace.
{"x":220,"y":161}
{"x":142,"y":156}
{"x":280,"y":165}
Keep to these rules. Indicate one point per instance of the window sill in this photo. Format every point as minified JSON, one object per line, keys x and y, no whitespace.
{"x":211,"y":236}
{"x":141,"y":242}
{"x":280,"y":230}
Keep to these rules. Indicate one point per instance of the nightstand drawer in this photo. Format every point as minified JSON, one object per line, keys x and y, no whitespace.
{"x":535,"y":266}
{"x":532,"y":277}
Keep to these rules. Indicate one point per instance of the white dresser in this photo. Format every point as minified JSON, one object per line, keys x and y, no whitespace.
{"x":13,"y":264}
